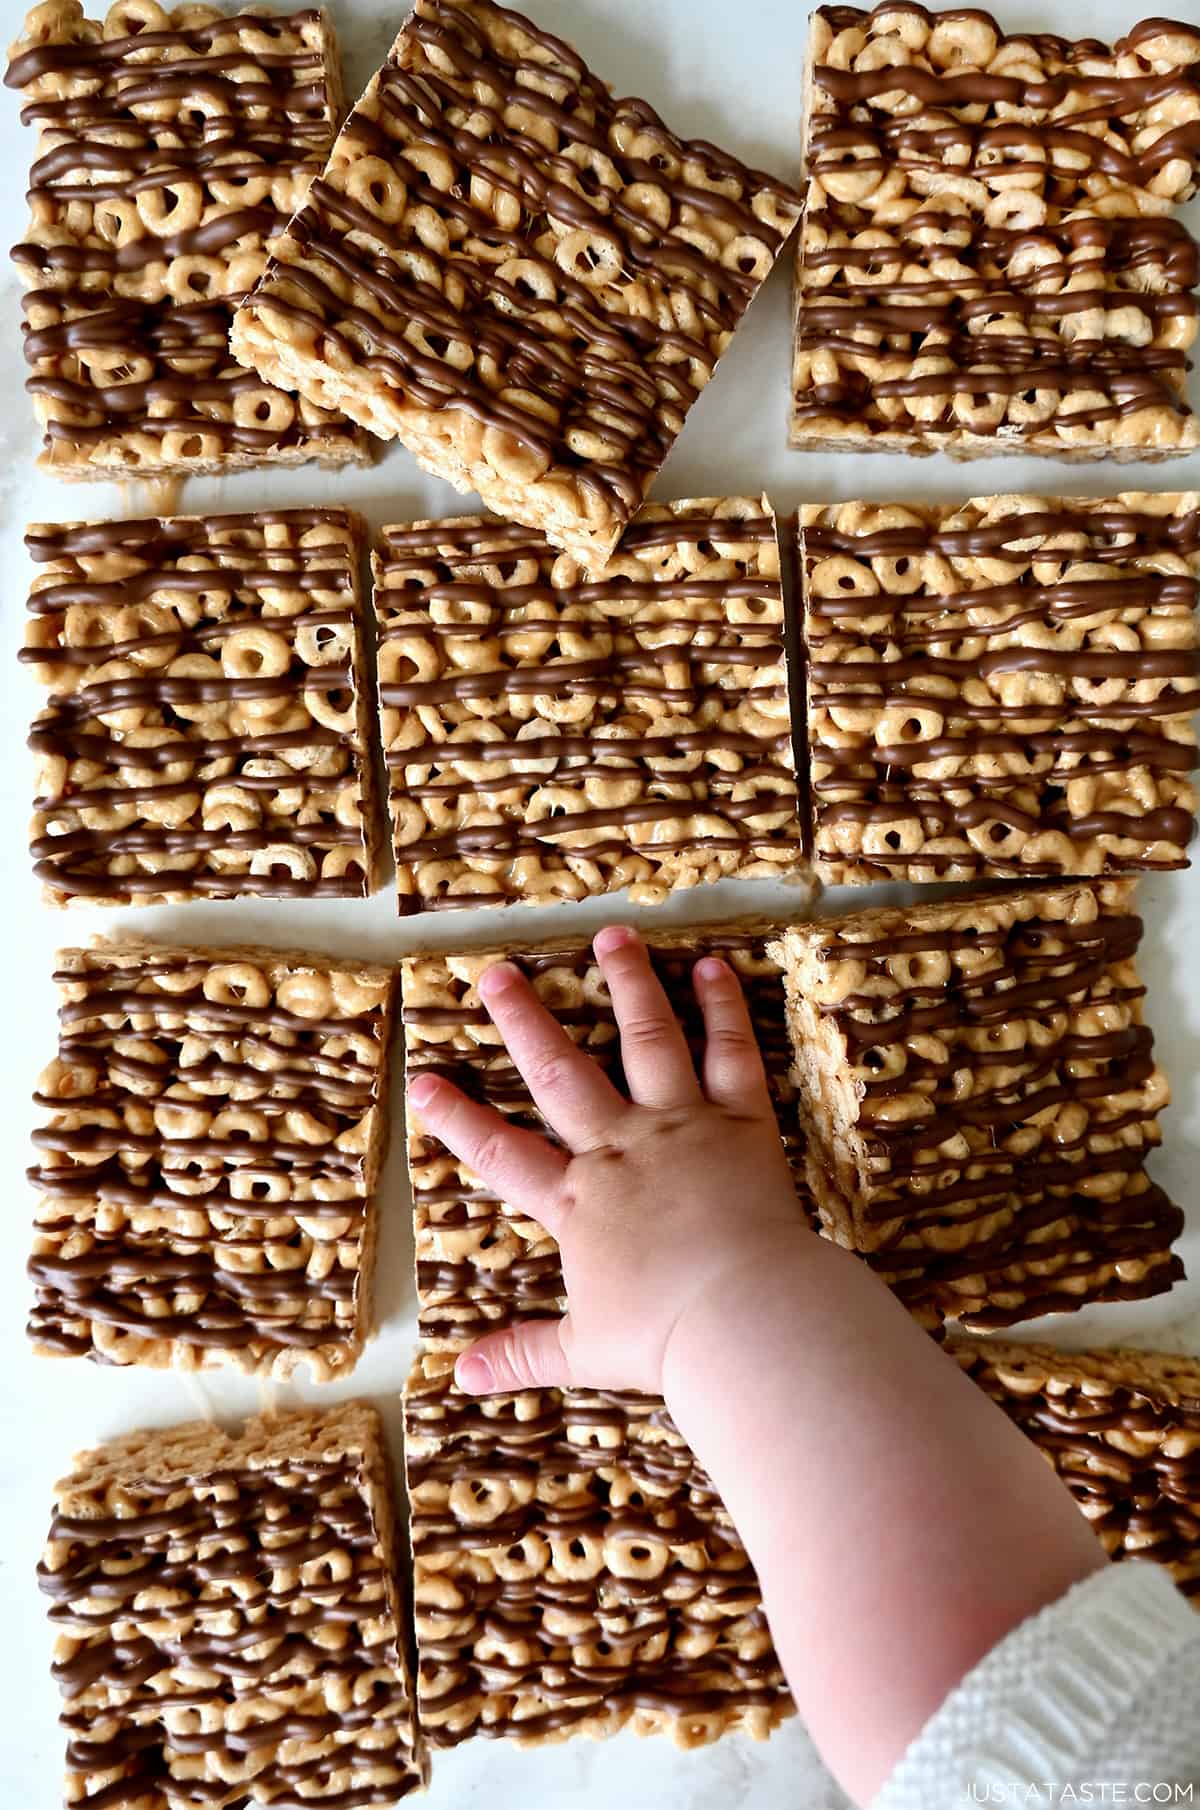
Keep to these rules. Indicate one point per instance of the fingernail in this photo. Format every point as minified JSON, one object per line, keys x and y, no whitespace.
{"x":497,"y":980}
{"x":616,"y":936}
{"x":473,"y":1373}
{"x":422,"y":1089}
{"x":711,"y":967}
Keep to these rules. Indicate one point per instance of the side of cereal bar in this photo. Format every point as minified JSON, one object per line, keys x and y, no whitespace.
{"x":172,"y":148}
{"x":989,"y":261}
{"x":1003,"y":687}
{"x":580,"y":1525}
{"x":550,"y":735}
{"x":207,"y":731}
{"x":230,"y":1620}
{"x":1121,"y":1428}
{"x":214,"y":1126}
{"x":526,"y":282}
{"x":979,"y":1095}
{"x":479,"y":1264}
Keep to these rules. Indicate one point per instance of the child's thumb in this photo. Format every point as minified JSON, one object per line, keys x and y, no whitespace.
{"x":528,"y":1356}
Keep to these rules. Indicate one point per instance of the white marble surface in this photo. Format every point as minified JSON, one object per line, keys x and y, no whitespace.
{"x":731,"y":73}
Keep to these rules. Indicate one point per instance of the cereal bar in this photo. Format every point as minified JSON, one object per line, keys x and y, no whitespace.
{"x":213,"y":1128}
{"x":230,"y":1619}
{"x":1121,"y":1428}
{"x":525,"y":281}
{"x":207,"y":733}
{"x":553,"y":736}
{"x":172,"y":148}
{"x":1002,"y":687}
{"x":990,"y":261}
{"x":575,"y":1573}
{"x":480,"y":1265}
{"x":980,"y":1094}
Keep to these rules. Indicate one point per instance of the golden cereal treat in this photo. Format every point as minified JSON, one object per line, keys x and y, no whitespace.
{"x":1121,"y":1428}
{"x":575,"y":1573}
{"x":989,"y":260}
{"x":553,"y":736}
{"x":172,"y":148}
{"x":1002,"y":687}
{"x":213,"y":1129}
{"x":208,"y":730}
{"x":481,"y":1265}
{"x":979,"y":1095}
{"x":230,"y":1618}
{"x":526,"y":282}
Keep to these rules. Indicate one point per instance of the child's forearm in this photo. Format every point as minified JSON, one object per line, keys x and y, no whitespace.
{"x":874,"y":1494}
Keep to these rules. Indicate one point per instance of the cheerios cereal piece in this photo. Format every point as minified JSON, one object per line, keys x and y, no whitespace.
{"x":525,"y":281}
{"x":979,"y":1095}
{"x":266,"y":1562}
{"x":213,"y":1129}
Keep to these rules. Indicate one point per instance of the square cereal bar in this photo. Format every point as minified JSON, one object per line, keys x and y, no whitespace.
{"x":989,"y":261}
{"x":230,"y":1618}
{"x":207,"y":734}
{"x":1002,"y":687}
{"x":214,"y":1125}
{"x":979,"y":1095}
{"x":1121,"y":1428}
{"x":553,"y":736}
{"x":526,"y":282}
{"x":172,"y":148}
{"x":575,"y":1573}
{"x":480,"y":1266}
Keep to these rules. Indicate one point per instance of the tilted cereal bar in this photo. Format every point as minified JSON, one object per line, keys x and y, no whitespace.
{"x":1121,"y":1428}
{"x":989,"y":261}
{"x":980,"y":1094}
{"x":207,"y":735}
{"x":230,"y":1618}
{"x":552,"y":736}
{"x":172,"y":147}
{"x":481,"y":1265}
{"x":1002,"y":687}
{"x":526,"y":282}
{"x":575,"y":1573}
{"x":214,"y":1124}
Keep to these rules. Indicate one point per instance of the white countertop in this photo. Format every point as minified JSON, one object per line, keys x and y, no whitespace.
{"x":732,"y":73}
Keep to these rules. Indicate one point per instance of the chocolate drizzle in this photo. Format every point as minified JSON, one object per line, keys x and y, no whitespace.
{"x":168,"y":161}
{"x":571,"y":309}
{"x":205,"y":1164}
{"x":654,"y":695}
{"x":927,"y":762}
{"x":203,"y":738}
{"x":1032,"y":314}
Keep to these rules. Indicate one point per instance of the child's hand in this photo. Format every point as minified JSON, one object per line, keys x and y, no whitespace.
{"x":663,"y":1197}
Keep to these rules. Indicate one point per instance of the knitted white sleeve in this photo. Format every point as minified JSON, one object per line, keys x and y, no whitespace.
{"x":1102,"y":1688}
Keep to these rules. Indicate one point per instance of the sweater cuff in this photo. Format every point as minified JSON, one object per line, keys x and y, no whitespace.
{"x":1044,"y":1701}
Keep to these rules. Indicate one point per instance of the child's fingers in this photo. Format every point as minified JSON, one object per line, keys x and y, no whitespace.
{"x":733,"y":1067}
{"x":520,"y":1167}
{"x":528,"y":1356}
{"x":655,"y":1056}
{"x":569,"y":1089}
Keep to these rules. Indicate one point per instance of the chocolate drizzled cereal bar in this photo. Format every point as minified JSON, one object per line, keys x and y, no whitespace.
{"x":989,"y":261}
{"x":480,"y":1265}
{"x":230,"y":1621}
{"x":1003,"y":687}
{"x":1121,"y":1428}
{"x":172,"y":148}
{"x":525,"y":281}
{"x":575,"y":1573}
{"x":214,"y":1125}
{"x":979,"y":1095}
{"x":554,"y":736}
{"x":207,"y":734}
